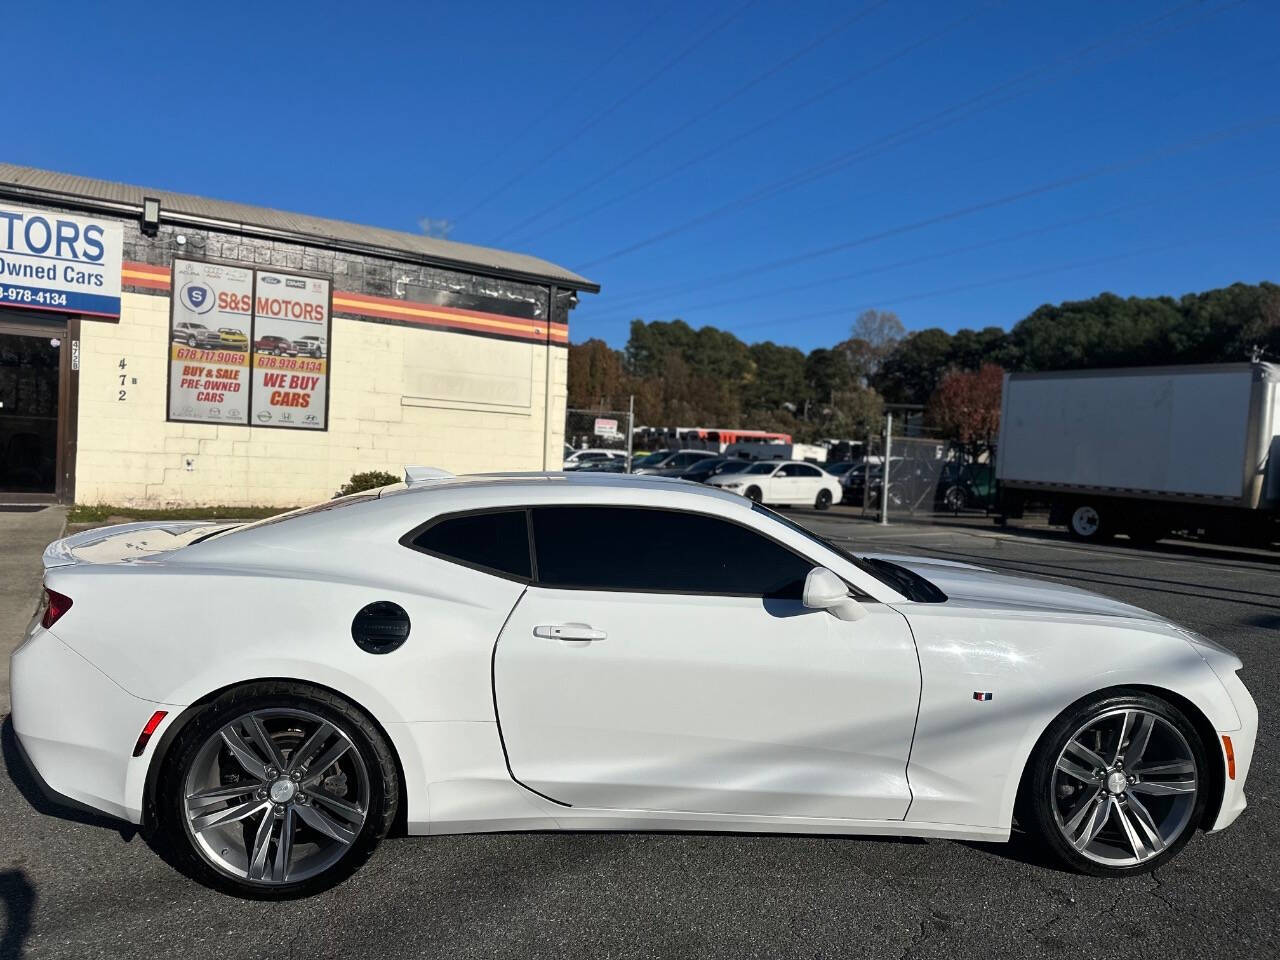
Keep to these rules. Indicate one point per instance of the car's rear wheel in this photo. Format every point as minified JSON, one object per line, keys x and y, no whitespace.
{"x":955,"y":498}
{"x":823,"y":500}
{"x":1116,"y":785}
{"x":753,"y":494}
{"x":276,"y":790}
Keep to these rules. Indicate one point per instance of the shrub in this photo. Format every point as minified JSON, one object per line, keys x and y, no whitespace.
{"x":369,"y":480}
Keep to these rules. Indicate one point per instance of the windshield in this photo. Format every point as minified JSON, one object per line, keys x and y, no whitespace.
{"x":652,"y":458}
{"x":762,"y":468}
{"x":911,"y":585}
{"x":733,"y":466}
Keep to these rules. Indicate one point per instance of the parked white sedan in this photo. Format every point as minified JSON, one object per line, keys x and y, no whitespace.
{"x":546,"y":652}
{"x":783,"y":482}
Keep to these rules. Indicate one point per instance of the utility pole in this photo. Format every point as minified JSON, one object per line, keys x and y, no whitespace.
{"x":884,"y":483}
{"x":631,"y":428}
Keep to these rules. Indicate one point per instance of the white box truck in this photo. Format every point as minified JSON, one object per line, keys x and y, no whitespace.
{"x":1145,"y":451}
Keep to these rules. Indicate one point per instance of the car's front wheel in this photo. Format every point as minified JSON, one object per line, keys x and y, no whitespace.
{"x":753,"y":494}
{"x":276,"y":790}
{"x":823,"y":500}
{"x":1117,"y":785}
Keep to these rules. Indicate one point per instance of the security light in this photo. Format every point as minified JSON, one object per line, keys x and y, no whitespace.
{"x":150,"y":216}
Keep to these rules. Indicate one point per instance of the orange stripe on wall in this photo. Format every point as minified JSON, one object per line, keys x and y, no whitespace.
{"x":152,"y":277}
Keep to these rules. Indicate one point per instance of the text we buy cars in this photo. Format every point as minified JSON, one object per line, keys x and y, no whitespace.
{"x":59,"y":262}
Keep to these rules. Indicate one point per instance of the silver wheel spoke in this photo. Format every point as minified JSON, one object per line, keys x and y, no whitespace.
{"x":1131,"y":833}
{"x":328,"y":759}
{"x":204,"y":798}
{"x":1073,"y":769}
{"x":1093,"y":823}
{"x":1073,"y":825}
{"x":325,"y":824}
{"x":261,"y":846}
{"x":1165,"y":769}
{"x":284,"y":848}
{"x":1126,"y":725}
{"x":229,"y":815}
{"x":262,"y":740}
{"x":302,"y":756}
{"x":1086,"y":756}
{"x":1163,"y":788}
{"x":244,"y":754}
{"x":1138,"y":741}
{"x":349,"y":811}
{"x":1148,"y":824}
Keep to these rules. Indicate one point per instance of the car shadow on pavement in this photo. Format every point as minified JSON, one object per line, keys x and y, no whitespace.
{"x":37,"y":793}
{"x":19,"y":899}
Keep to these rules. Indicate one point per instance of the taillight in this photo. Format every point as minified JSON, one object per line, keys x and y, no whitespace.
{"x":55,"y":605}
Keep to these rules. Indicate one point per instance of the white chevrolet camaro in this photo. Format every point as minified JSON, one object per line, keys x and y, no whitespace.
{"x":791,"y":482}
{"x":595,"y":652}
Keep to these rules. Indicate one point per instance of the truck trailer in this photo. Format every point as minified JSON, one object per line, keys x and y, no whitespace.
{"x":1145,"y":451}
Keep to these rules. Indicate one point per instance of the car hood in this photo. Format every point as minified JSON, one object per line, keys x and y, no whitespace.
{"x":969,"y":585}
{"x":122,"y":542}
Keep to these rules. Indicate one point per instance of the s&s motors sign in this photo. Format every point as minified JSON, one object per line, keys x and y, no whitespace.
{"x":56,"y":261}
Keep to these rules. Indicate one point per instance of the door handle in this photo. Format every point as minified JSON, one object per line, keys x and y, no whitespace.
{"x":568,"y":631}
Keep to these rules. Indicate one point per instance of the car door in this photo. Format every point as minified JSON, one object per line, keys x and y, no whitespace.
{"x":651,"y":676}
{"x":787,"y":484}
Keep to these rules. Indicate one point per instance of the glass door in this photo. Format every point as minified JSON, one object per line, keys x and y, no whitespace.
{"x":29,"y":381}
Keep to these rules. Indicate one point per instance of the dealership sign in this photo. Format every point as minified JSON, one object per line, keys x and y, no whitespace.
{"x":55,"y":261}
{"x":248,"y":346}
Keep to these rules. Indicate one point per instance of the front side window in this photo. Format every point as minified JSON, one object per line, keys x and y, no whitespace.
{"x":649,"y":550}
{"x":761,"y":468}
{"x":495,"y":541}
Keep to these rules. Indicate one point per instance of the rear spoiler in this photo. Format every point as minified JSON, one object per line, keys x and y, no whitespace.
{"x":125,"y":541}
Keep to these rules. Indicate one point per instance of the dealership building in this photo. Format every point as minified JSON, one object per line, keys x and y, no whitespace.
{"x":159,"y":349}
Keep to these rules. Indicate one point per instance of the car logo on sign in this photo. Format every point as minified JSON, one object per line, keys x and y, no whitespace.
{"x":264,"y":415}
{"x":297,"y":284}
{"x":266,"y":279}
{"x":197,"y":298}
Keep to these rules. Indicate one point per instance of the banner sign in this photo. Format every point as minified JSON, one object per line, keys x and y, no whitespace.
{"x":606,"y":428}
{"x":56,"y":261}
{"x":209,"y":321}
{"x":291,"y":350}
{"x":248,"y":346}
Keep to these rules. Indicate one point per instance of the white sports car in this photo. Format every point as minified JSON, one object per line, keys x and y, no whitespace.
{"x":460,"y":654}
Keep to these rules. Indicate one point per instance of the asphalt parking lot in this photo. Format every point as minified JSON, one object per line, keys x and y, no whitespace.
{"x":78,"y":887}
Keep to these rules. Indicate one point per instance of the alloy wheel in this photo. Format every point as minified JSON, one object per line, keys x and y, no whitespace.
{"x":1085,"y":521}
{"x":1124,"y":787}
{"x":276,"y":796}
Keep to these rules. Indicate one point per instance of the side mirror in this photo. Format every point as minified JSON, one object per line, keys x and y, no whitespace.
{"x":823,"y":590}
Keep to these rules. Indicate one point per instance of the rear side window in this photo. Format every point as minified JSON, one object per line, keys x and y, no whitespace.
{"x":669,"y":551}
{"x":496,"y":542}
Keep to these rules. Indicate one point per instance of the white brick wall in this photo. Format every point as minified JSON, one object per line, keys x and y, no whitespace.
{"x":477,"y":405}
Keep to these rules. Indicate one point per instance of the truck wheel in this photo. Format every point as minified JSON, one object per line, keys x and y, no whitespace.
{"x":1087,"y":522}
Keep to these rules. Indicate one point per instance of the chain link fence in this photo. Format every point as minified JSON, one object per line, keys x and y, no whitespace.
{"x":929,"y":478}
{"x":598,"y":440}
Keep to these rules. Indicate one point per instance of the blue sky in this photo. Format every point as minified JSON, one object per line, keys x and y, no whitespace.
{"x":782,"y":166}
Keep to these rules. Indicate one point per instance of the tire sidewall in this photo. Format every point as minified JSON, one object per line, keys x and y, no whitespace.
{"x":754,"y":494}
{"x":1099,"y":531}
{"x":1035,"y":801}
{"x":172,"y":829}
{"x":823,"y":500}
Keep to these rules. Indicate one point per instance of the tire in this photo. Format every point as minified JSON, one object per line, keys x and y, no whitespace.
{"x":1088,"y":522}
{"x":1101,"y":823}
{"x":823,"y":500}
{"x":191,"y":341}
{"x":355,"y":795}
{"x":955,"y":499}
{"x":753,"y":494}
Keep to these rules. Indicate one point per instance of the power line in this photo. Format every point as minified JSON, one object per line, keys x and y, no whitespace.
{"x":1268,"y":225}
{"x":1006,"y":199}
{"x":827,"y":34}
{"x":634,"y":91}
{"x":632,"y":37}
{"x":790,"y":111}
{"x":865,"y":151}
{"x":1233,"y":74}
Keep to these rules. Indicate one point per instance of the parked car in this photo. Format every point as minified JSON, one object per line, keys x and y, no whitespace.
{"x":783,"y":482}
{"x":704,"y":470}
{"x":854,"y":480}
{"x":671,"y":463}
{"x":840,"y":468}
{"x":614,"y":465}
{"x":196,"y":335}
{"x":972,"y":485}
{"x":580,"y":458}
{"x":232,"y":339}
{"x":309,"y":346}
{"x":728,"y":670}
{"x":279,"y":346}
